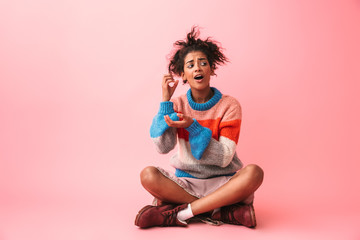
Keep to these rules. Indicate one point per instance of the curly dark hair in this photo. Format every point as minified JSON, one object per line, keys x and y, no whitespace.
{"x":193,"y":43}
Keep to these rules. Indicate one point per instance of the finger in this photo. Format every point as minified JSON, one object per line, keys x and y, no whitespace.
{"x":181,"y":116}
{"x":176,"y":83}
{"x":172,"y":123}
{"x":172,"y":84}
{"x":168,"y":120}
{"x":166,"y":77}
{"x":168,"y":80}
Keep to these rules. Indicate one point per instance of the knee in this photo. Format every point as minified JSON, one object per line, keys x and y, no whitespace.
{"x":255,"y":173}
{"x":149,"y":177}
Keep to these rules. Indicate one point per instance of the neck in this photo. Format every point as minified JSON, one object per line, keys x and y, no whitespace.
{"x":202,"y":96}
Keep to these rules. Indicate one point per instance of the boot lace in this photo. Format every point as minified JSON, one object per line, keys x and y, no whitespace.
{"x":170,"y":216}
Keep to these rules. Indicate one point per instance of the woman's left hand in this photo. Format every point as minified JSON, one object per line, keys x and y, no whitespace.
{"x":184,"y":122}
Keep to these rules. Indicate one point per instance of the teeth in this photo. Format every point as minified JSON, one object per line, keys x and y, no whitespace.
{"x":198,"y":77}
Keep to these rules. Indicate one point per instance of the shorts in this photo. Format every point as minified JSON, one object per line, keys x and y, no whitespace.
{"x":201,"y":187}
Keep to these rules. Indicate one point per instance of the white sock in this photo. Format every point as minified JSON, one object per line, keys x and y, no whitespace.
{"x":185,"y":214}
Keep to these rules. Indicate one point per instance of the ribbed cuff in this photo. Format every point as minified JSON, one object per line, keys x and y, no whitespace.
{"x":166,"y":108}
{"x":195,"y":128}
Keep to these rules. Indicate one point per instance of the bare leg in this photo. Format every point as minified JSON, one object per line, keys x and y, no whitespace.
{"x":163,"y":188}
{"x":242,"y":185}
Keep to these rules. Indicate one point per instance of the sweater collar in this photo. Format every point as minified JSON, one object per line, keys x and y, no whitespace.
{"x":207,"y":105}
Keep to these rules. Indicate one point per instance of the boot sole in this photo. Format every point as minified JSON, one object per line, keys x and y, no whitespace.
{"x":253,"y":218}
{"x":140,"y":213}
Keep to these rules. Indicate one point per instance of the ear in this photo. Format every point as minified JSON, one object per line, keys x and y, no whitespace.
{"x":183,"y":76}
{"x":212,"y":73}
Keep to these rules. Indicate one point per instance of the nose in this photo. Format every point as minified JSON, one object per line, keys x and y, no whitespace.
{"x":196,"y":67}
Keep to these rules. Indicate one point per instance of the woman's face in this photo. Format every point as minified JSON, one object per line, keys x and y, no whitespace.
{"x":197,"y":70}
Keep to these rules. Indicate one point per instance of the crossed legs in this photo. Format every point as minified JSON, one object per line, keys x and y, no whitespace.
{"x":241,"y":185}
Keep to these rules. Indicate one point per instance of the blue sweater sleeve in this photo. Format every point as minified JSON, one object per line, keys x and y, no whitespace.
{"x":199,"y":138}
{"x":159,"y":126}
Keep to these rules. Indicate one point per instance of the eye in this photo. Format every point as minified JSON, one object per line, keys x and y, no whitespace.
{"x":203,"y":63}
{"x":190,"y":65}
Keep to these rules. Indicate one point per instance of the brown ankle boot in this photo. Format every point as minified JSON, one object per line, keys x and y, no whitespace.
{"x":238,"y":214}
{"x":164,"y":215}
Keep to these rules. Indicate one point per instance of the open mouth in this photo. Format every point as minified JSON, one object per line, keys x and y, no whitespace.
{"x":198,"y":77}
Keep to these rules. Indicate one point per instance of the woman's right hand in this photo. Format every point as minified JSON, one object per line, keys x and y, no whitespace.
{"x":168,"y":87}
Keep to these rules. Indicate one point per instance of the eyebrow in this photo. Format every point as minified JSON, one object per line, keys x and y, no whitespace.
{"x":193,"y":60}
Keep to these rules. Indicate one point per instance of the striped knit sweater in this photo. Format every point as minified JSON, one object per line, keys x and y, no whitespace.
{"x":206,"y":148}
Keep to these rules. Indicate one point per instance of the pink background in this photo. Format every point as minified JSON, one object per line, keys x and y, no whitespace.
{"x":80,"y":83}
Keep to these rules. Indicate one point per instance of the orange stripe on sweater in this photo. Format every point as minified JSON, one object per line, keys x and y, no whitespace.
{"x":229,"y":129}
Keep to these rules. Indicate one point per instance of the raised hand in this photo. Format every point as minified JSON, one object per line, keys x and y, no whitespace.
{"x":168,"y":87}
{"x":184,"y":122}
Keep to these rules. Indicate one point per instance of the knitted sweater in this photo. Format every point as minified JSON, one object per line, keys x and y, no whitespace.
{"x":206,"y":148}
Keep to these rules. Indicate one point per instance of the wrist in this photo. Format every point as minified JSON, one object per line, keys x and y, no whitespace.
{"x":190,"y":123}
{"x":166,"y":98}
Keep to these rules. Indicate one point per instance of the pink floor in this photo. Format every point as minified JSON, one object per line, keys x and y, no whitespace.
{"x":110,"y":221}
{"x":111,"y":216}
